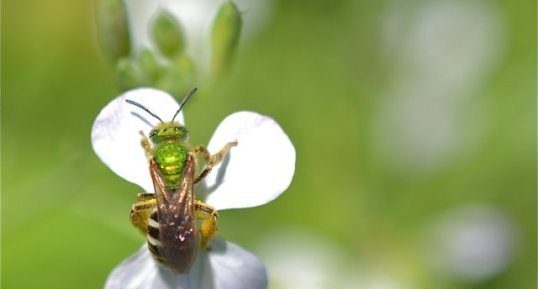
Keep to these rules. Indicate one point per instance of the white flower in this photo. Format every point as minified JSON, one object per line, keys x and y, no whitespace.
{"x":255,"y":172}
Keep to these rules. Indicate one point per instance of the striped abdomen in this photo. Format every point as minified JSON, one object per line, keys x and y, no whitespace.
{"x":185,"y":249}
{"x":152,"y":235}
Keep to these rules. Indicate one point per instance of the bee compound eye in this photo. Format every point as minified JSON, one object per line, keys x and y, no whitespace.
{"x":153,"y":134}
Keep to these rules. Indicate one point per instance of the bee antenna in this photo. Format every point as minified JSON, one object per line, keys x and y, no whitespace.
{"x":184,"y":101}
{"x":143,"y":107}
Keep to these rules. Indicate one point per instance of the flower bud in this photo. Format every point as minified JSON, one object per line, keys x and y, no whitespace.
{"x":224,"y":37}
{"x":149,"y":65}
{"x":167,"y":34}
{"x":113,"y":29}
{"x":129,"y":75}
{"x":177,"y":78}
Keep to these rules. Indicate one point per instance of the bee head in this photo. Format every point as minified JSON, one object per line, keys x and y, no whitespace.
{"x":168,"y":131}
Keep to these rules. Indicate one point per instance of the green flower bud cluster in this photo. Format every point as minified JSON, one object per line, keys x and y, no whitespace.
{"x":166,"y":66}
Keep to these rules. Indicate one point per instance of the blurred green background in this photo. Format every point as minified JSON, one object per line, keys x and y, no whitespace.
{"x":414,"y":125}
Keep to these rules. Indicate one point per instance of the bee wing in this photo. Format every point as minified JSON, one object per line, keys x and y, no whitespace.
{"x":158,"y":182}
{"x":177,"y":224}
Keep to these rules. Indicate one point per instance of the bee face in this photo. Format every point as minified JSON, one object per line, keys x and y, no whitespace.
{"x":169,"y":131}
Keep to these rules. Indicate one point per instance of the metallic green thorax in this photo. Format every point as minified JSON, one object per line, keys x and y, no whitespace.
{"x":170,"y":151}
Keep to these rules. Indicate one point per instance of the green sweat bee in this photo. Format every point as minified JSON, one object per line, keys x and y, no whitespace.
{"x":169,"y":217}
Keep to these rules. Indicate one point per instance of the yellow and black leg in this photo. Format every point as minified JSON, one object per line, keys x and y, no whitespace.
{"x":211,"y":160}
{"x":141,"y":211}
{"x":209,"y":217}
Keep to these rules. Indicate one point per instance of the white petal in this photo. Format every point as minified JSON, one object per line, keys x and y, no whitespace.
{"x":233,"y":267}
{"x":116,"y":137}
{"x":138,"y":271}
{"x":257,"y":170}
{"x":226,"y":266}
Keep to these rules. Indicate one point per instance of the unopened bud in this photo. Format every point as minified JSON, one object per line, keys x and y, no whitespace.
{"x":177,"y":78}
{"x":129,"y":75}
{"x":113,"y":29}
{"x":167,"y":34}
{"x":149,"y":65}
{"x":225,"y":37}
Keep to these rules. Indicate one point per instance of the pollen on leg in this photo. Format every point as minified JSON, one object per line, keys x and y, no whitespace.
{"x":141,"y":211}
{"x":144,"y":142}
{"x":209,"y":227}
